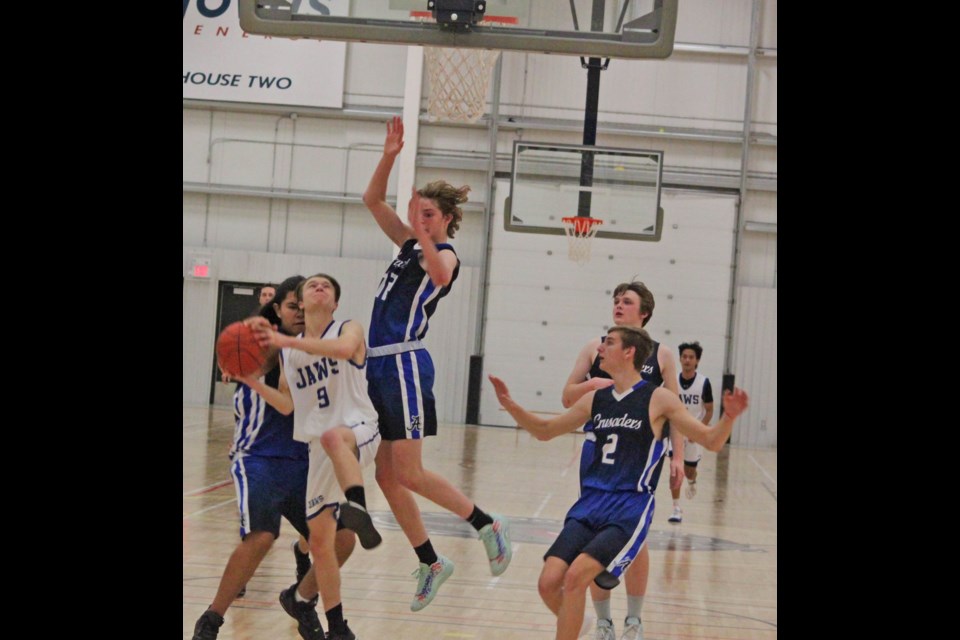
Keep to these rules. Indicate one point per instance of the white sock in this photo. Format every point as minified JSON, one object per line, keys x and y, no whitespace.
{"x":298,"y":597}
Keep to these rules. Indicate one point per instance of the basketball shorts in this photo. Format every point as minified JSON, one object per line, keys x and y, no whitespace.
{"x":323,"y":490}
{"x":268,"y":488}
{"x":609,"y":526}
{"x":401,"y":389}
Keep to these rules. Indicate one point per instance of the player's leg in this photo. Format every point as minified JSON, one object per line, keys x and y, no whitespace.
{"x":343,"y":445}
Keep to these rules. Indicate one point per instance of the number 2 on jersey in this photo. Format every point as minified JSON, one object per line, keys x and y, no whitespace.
{"x":609,"y":448}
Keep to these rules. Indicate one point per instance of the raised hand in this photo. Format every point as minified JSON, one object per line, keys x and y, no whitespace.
{"x":413,"y":214}
{"x":500,"y":387}
{"x":736,"y":402}
{"x":265,"y":333}
{"x":394,"y":142}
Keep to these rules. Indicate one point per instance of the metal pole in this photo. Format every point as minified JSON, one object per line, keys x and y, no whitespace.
{"x":744,"y":163}
{"x":590,"y":115}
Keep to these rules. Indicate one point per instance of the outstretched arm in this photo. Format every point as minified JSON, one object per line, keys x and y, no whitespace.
{"x":375,"y":197}
{"x":577,"y":384}
{"x":713,"y":438}
{"x":542,"y":428}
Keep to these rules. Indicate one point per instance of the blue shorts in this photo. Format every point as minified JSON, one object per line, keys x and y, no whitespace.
{"x":268,"y":488}
{"x":401,"y":389}
{"x":610,"y":527}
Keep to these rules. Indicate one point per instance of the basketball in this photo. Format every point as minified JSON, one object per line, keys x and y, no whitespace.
{"x":238,"y":352}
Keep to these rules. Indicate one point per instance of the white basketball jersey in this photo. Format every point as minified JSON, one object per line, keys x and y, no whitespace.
{"x":327,"y":393}
{"x":692,"y":396}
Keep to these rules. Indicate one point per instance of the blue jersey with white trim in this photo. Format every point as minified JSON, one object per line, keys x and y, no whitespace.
{"x":625,"y":457}
{"x":406,"y":297}
{"x":261,"y":430}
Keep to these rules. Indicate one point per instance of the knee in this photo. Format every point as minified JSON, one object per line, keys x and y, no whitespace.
{"x":575,"y":580}
{"x":262,"y":540}
{"x":330,"y":440}
{"x":384,"y":476}
{"x":548,"y":586}
{"x":411,"y":479}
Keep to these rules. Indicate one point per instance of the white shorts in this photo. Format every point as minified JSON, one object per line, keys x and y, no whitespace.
{"x":323,"y":490}
{"x":692,"y":452}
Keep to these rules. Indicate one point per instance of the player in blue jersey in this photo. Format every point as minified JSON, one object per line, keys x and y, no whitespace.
{"x":633,"y":305}
{"x":607,"y":526}
{"x":401,"y":371}
{"x":269,"y":471}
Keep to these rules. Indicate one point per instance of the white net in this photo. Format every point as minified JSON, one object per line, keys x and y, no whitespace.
{"x":459,"y":80}
{"x":580,"y":231}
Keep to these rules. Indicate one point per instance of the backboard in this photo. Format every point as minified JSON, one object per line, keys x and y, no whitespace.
{"x":548,"y":183}
{"x":646,"y":26}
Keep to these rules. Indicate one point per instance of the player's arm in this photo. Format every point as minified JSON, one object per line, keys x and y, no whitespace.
{"x":543,"y":428}
{"x":707,"y":398}
{"x":439,"y":264}
{"x":668,"y":371}
{"x":375,"y":197}
{"x":668,"y":405}
{"x":280,"y":399}
{"x":343,"y":347}
{"x":577,"y":384}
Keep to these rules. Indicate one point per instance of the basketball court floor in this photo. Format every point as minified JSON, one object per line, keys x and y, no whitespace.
{"x":712,"y":577}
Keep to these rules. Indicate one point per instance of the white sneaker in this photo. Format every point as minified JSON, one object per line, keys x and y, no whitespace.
{"x":632,"y":629}
{"x":605,"y":630}
{"x":676,"y":516}
{"x":691,"y":490}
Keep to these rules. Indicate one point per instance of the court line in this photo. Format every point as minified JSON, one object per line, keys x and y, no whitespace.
{"x":207,"y":489}
{"x":219,"y":504}
{"x":761,"y":469}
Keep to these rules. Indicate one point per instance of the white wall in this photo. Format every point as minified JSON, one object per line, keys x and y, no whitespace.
{"x":255,"y":238}
{"x":542,"y":307}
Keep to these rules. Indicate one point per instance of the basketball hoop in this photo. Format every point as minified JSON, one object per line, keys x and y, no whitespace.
{"x":459,"y":78}
{"x":580,"y":231}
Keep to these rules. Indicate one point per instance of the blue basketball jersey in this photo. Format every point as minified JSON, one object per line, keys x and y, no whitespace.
{"x":625,"y":456}
{"x":260,"y":429}
{"x":406,"y":298}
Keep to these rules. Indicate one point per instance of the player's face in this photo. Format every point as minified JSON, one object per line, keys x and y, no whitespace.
{"x":611,"y":352}
{"x":626,"y":309}
{"x":290,"y":314}
{"x":688,"y":361}
{"x":434,"y":222}
{"x":266,"y":295}
{"x":319,"y":292}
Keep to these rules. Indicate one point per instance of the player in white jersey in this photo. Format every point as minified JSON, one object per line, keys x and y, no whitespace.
{"x":633,"y":305}
{"x":325,"y":386}
{"x":697,"y":394}
{"x":609,"y":523}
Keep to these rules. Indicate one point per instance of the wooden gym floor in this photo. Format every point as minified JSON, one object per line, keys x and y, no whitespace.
{"x":712,"y":577}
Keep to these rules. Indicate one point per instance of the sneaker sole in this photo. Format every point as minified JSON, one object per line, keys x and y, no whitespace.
{"x":675,"y":520}
{"x":416,"y":605}
{"x":361,"y":523}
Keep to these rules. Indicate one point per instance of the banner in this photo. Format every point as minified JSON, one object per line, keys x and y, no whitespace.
{"x":222,"y":62}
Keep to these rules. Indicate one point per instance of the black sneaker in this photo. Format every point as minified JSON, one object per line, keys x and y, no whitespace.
{"x":208,"y":626}
{"x":355,"y":517}
{"x":344,"y":634}
{"x":303,"y":561}
{"x":305,"y":613}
